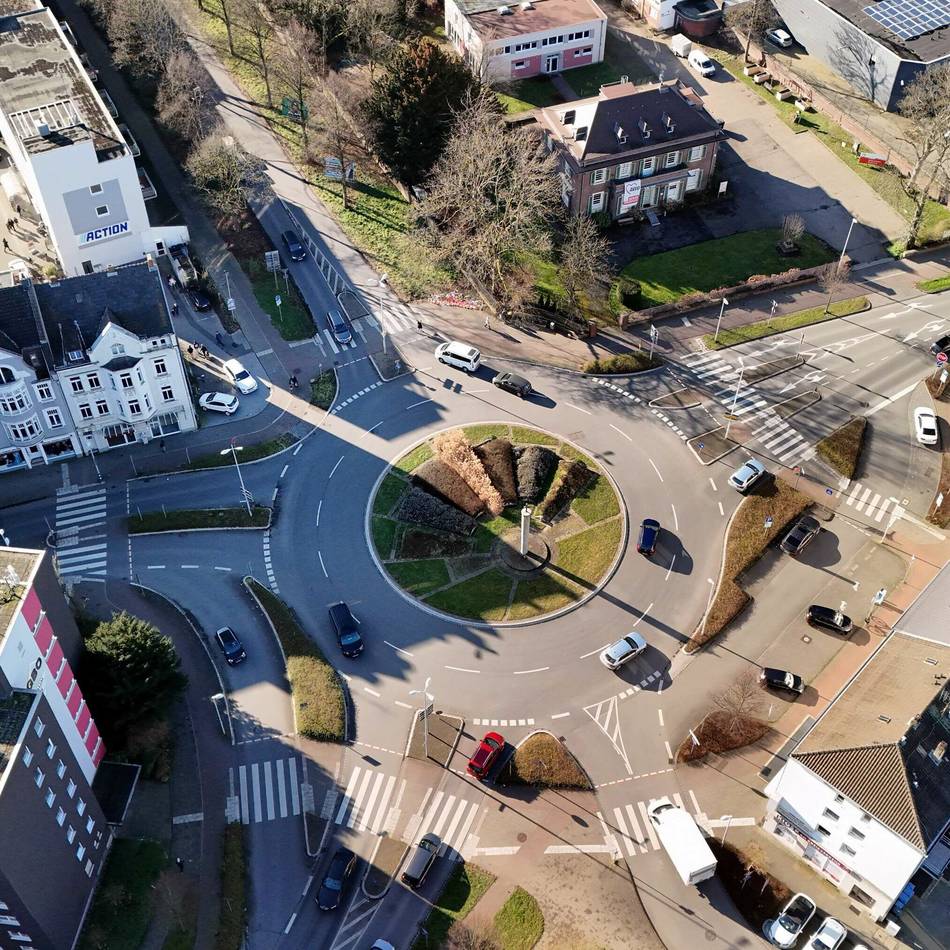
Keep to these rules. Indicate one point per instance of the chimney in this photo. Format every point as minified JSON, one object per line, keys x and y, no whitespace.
{"x":939,"y":751}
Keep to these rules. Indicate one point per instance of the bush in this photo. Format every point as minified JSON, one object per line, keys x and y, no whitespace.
{"x":444,"y":482}
{"x":572,"y":475}
{"x":633,"y":362}
{"x":842,"y":449}
{"x":498,"y":458}
{"x":716,"y":735}
{"x":535,"y":463}
{"x":624,"y":295}
{"x":233,"y":917}
{"x":454,"y":449}
{"x":544,"y":762}
{"x":419,"y":507}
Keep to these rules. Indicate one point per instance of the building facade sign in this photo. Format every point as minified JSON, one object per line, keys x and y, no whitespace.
{"x":631,"y":195}
{"x":102,"y":234}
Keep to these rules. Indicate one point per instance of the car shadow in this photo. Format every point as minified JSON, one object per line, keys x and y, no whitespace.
{"x":670,"y":555}
{"x":649,"y":671}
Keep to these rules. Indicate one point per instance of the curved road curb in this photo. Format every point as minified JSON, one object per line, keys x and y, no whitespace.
{"x":392,"y":877}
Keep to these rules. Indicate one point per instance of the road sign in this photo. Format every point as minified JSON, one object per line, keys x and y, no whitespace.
{"x":271,"y":260}
{"x":879,"y":596}
{"x":828,"y":491}
{"x":654,"y":333}
{"x":939,"y":500}
{"x":277,"y":299}
{"x":942,"y":357}
{"x":702,"y":445}
{"x":768,"y":522}
{"x":231,"y":304}
{"x":875,"y":161}
{"x":944,"y":376}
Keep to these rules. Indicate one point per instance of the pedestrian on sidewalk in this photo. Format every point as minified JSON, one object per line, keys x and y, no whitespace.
{"x":487,"y":322}
{"x":6,"y":246}
{"x":19,"y":211}
{"x":191,"y":350}
{"x":174,"y":309}
{"x":181,"y":863}
{"x":419,"y":325}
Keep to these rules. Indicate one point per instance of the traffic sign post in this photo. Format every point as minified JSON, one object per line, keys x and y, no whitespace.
{"x":799,"y":473}
{"x":280,"y":313}
{"x":941,"y":359}
{"x":654,"y":333}
{"x":768,"y":522}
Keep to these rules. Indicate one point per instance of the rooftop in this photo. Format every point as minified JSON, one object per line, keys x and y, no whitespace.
{"x":24,"y":564}
{"x":534,"y":17}
{"x":14,"y":714}
{"x":884,"y":741}
{"x":925,"y":47}
{"x":44,"y":91}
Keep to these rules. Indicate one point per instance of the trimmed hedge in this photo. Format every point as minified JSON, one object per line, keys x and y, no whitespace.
{"x":444,"y":482}
{"x":232,"y":919}
{"x":572,"y":475}
{"x":635,"y":361}
{"x":454,"y":449}
{"x":498,"y":458}
{"x":419,"y":507}
{"x":534,"y":466}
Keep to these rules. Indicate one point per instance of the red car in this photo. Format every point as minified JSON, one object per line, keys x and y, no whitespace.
{"x":485,"y":755}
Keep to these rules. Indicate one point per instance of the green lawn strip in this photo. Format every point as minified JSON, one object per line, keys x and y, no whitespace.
{"x":384,"y":533}
{"x":390,"y":491}
{"x":543,"y":761}
{"x":413,"y":459}
{"x":488,"y":532}
{"x":250,"y":453}
{"x":584,"y":557}
{"x":183,"y":519}
{"x":314,"y":684}
{"x":541,"y":595}
{"x":935,"y":285}
{"x":597,"y":501}
{"x":232,"y":921}
{"x":420,"y":577}
{"x":489,"y":430}
{"x":520,"y":923}
{"x":292,"y":318}
{"x":842,"y":449}
{"x":567,"y":451}
{"x":483,"y":597}
{"x":587,"y":80}
{"x":549,"y":284}
{"x":122,"y":906}
{"x":534,"y":93}
{"x":462,"y":891}
{"x":523,"y":435}
{"x":721,"y":262}
{"x":323,"y":389}
{"x":634,"y":361}
{"x":790,"y":321}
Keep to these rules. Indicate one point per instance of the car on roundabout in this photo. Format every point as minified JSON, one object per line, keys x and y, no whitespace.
{"x":486,"y":755}
{"x":231,"y":646}
{"x":782,"y":680}
{"x":345,"y":628}
{"x":219,"y":402}
{"x":829,"y":619}
{"x":513,"y":383}
{"x":648,"y":536}
{"x":623,"y":651}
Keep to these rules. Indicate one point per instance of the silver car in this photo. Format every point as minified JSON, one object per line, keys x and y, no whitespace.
{"x":623,"y":651}
{"x":742,"y":479}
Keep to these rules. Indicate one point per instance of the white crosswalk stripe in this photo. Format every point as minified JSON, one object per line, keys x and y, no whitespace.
{"x":448,"y":816}
{"x":78,"y":512}
{"x":365,"y":802}
{"x":871,"y":503}
{"x":630,"y":827}
{"x":266,"y":791}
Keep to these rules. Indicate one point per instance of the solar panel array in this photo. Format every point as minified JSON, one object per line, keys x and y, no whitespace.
{"x":909,"y":19}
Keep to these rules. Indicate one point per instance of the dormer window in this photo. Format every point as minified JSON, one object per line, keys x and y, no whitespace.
{"x":621,"y":135}
{"x":581,"y":134}
{"x":75,"y":356}
{"x":117,"y":349}
{"x":568,"y":117}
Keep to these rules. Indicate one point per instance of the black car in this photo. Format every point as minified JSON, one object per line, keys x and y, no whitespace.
{"x":344,"y":625}
{"x":231,"y":647}
{"x":782,"y":680}
{"x":830,"y":619}
{"x":649,"y":532}
{"x":798,"y":538}
{"x":198,"y":298}
{"x":940,"y":346}
{"x":295,"y":249}
{"x":331,"y":890}
{"x":513,"y":383}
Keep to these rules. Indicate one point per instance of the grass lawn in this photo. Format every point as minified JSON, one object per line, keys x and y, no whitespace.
{"x":484,"y":596}
{"x":842,"y":449}
{"x":522,"y":435}
{"x":722,"y":262}
{"x":389,"y":493}
{"x":597,"y":501}
{"x":541,"y":595}
{"x":569,"y":452}
{"x":935,"y":285}
{"x":233,"y":917}
{"x":941,"y":516}
{"x":412,"y":460}
{"x":122,"y":907}
{"x":184,"y":520}
{"x":420,"y":577}
{"x":250,"y":454}
{"x":534,"y":93}
{"x":790,"y":321}
{"x":520,"y":923}
{"x":488,"y":531}
{"x":585,"y":557}
{"x":314,"y":684}
{"x":544,"y":762}
{"x":462,"y":891}
{"x":636,"y":361}
{"x":323,"y":390}
{"x":549,"y":283}
{"x":384,"y":533}
{"x":489,"y":430}
{"x":292,"y":318}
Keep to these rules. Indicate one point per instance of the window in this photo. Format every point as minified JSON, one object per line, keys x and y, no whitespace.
{"x":697,"y":153}
{"x":27,"y":755}
{"x":648,"y":166}
{"x":71,"y":788}
{"x":70,"y":834}
{"x":14,"y":402}
{"x":39,"y":727}
{"x":81,"y":806}
{"x":581,"y":134}
{"x":693,"y":182}
{"x":507,"y":49}
{"x":823,"y":830}
{"x":138,"y":372}
{"x":160,"y":368}
{"x":93,"y":380}
{"x":80,"y":852}
{"x":521,"y":64}
{"x":95,"y":189}
{"x":839,"y":798}
{"x":85,"y":410}
{"x":862,"y":897}
{"x":625,"y":169}
{"x":135,"y":407}
{"x":90,"y":867}
{"x":102,"y":407}
{"x":597,"y":202}
{"x":519,"y":47}
{"x":148,"y":402}
{"x":586,"y":51}
{"x":671,"y":159}
{"x":846,"y":850}
{"x":60,"y":816}
{"x":50,"y":749}
{"x":44,"y":392}
{"x":50,"y":798}
{"x":60,"y":769}
{"x":168,"y":393}
{"x":866,"y":817}
{"x":856,"y":834}
{"x":90,"y":825}
{"x":20,"y":937}
{"x":6,"y":375}
{"x":76,"y":383}
{"x":7,"y":921}
{"x":102,"y":210}
{"x":53,"y":418}
{"x":828,"y":813}
{"x":126,"y":380}
{"x":38,"y":777}
{"x":117,"y":349}
{"x":598,"y":176}
{"x":578,"y":35}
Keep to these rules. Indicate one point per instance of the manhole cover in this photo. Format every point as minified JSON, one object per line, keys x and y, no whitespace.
{"x":806,"y":639}
{"x":522,"y":837}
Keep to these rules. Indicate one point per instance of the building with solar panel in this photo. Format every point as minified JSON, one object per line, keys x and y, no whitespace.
{"x":879,"y":47}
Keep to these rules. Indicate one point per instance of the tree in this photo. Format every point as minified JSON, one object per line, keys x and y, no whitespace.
{"x":143,"y":34}
{"x":412,"y":107}
{"x":333,"y":103}
{"x":793,"y":227}
{"x":469,"y":935}
{"x":225,"y":6}
{"x":751,"y":19}
{"x":184,"y":96}
{"x":585,"y":257}
{"x":224,"y":174}
{"x":296,"y":67}
{"x":256,"y":22}
{"x":740,"y":701}
{"x":832,"y":277}
{"x":926,"y":103}
{"x":129,"y":672}
{"x":369,"y":28}
{"x":493,"y":193}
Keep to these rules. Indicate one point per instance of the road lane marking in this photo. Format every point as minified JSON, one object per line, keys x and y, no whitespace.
{"x":669,"y":570}
{"x":659,"y":713}
{"x":190,"y":567}
{"x":372,"y":692}
{"x":222,"y":568}
{"x":461,"y":669}
{"x":319,"y":509}
{"x":655,"y":469}
{"x":720,"y":510}
{"x":296,"y":450}
{"x":283,"y":471}
{"x":397,"y":649}
{"x":711,"y":482}
{"x":571,"y":405}
{"x":560,"y":715}
{"x":399,"y":702}
{"x":421,"y":402}
{"x":592,"y":652}
{"x":669,"y":751}
{"x":643,"y":614}
{"x":624,"y":434}
{"x":290,"y":922}
{"x":155,"y":567}
{"x":676,"y":524}
{"x":322,"y":565}
{"x":540,"y":669}
{"x":368,"y":431}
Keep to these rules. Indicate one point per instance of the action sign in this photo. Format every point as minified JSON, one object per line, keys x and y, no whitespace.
{"x":942,"y":357}
{"x":875,"y":161}
{"x":277,"y":299}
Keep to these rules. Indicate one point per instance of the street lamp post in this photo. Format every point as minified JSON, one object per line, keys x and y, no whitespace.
{"x":380,"y":284}
{"x":772,"y":312}
{"x":427,"y":698}
{"x":725,"y":830}
{"x":732,"y":408}
{"x":854,"y":221}
{"x":234,"y":449}
{"x":725,"y":303}
{"x":712,"y":588}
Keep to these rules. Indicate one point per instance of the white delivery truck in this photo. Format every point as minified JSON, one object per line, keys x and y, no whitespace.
{"x":680,"y":45}
{"x":683,"y":841}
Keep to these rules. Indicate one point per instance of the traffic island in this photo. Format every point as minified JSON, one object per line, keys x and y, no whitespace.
{"x":541,"y":760}
{"x":842,"y":449}
{"x":434,"y":737}
{"x":446,"y":523}
{"x":463,"y":890}
{"x":200,"y":519}
{"x":685,"y":398}
{"x":383,"y":866}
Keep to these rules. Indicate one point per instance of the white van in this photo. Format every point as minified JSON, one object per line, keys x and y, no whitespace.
{"x":699,"y":61}
{"x":460,"y":355}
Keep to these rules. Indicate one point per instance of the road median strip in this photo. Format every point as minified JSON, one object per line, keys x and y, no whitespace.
{"x":199,"y":519}
{"x":383,"y":866}
{"x":842,"y":448}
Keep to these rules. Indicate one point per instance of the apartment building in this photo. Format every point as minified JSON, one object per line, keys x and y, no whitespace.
{"x":76,"y":169}
{"x":54,"y":833}
{"x":513,"y":41}
{"x":632,"y":148}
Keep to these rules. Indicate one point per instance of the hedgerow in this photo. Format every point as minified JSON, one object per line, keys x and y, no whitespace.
{"x":572,"y":475}
{"x":498,"y":458}
{"x":419,"y":507}
{"x":534,"y":466}
{"x":454,"y":449}
{"x":442,"y":480}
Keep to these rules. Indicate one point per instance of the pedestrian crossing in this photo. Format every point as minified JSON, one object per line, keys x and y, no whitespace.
{"x":81,"y":555}
{"x":265,"y":791}
{"x":451,"y":817}
{"x":366,"y":802}
{"x":628,"y":829}
{"x":872,"y":504}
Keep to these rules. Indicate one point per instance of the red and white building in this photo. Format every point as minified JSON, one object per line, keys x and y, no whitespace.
{"x":506,"y":42}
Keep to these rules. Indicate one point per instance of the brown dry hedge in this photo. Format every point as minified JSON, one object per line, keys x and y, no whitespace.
{"x":419,"y":507}
{"x":535,"y":463}
{"x":715,"y":735}
{"x":572,"y":475}
{"x":498,"y":458}
{"x":443,"y":481}
{"x":454,"y":449}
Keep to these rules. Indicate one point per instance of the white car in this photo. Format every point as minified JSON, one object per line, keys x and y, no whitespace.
{"x":743,"y":478}
{"x":243,"y":380}
{"x":829,"y":936}
{"x":925,"y":424}
{"x":623,"y":651}
{"x":219,"y":402}
{"x":780,"y":38}
{"x":701,"y":63}
{"x":785,"y":930}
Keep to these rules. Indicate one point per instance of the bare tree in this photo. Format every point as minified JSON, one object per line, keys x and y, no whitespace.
{"x":335,"y":104}
{"x":142,"y":33}
{"x":793,"y":227}
{"x":585,"y":258}
{"x":742,"y":700}
{"x":255,"y":20}
{"x":296,"y":67}
{"x":226,"y":15}
{"x":469,"y":935}
{"x":224,"y":174}
{"x":184,"y":101}
{"x":833,"y":277}
{"x":329,"y":23}
{"x":493,"y":193}
{"x":751,"y":19}
{"x":369,"y":28}
{"x":926,"y":103}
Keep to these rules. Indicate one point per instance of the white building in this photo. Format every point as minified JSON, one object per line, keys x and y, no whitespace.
{"x":865,"y":797}
{"x":77,"y":170}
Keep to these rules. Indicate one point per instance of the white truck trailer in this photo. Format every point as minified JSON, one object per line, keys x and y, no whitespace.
{"x":683,"y":841}
{"x":681,"y":45}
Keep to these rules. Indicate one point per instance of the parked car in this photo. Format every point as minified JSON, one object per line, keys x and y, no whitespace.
{"x":295,"y":249}
{"x":782,"y":680}
{"x":460,"y":355}
{"x":788,"y":926}
{"x":423,"y":857}
{"x":344,"y":625}
{"x":803,"y":532}
{"x":331,"y":890}
{"x":780,"y":37}
{"x":701,"y":63}
{"x":941,"y":345}
{"x":198,"y":299}
{"x":242,"y":379}
{"x":339,"y":327}
{"x":828,"y":618}
{"x":486,"y":755}
{"x":623,"y":651}
{"x":219,"y":402}
{"x":649,"y":533}
{"x":231,"y":646}
{"x":743,"y":478}
{"x":925,"y":425}
{"x":514,"y":384}
{"x":829,"y":936}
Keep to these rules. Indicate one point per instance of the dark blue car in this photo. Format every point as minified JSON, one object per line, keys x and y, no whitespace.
{"x":649,"y":533}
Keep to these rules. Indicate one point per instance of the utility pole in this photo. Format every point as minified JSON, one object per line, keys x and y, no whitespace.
{"x":753,"y":25}
{"x":732,"y":408}
{"x":722,"y":309}
{"x":234,"y":449}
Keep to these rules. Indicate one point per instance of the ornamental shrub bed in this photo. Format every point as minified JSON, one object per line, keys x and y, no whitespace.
{"x":444,"y":482}
{"x":454,"y":449}
{"x":572,"y":475}
{"x":535,"y":463}
{"x":419,"y":507}
{"x":498,"y":458}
